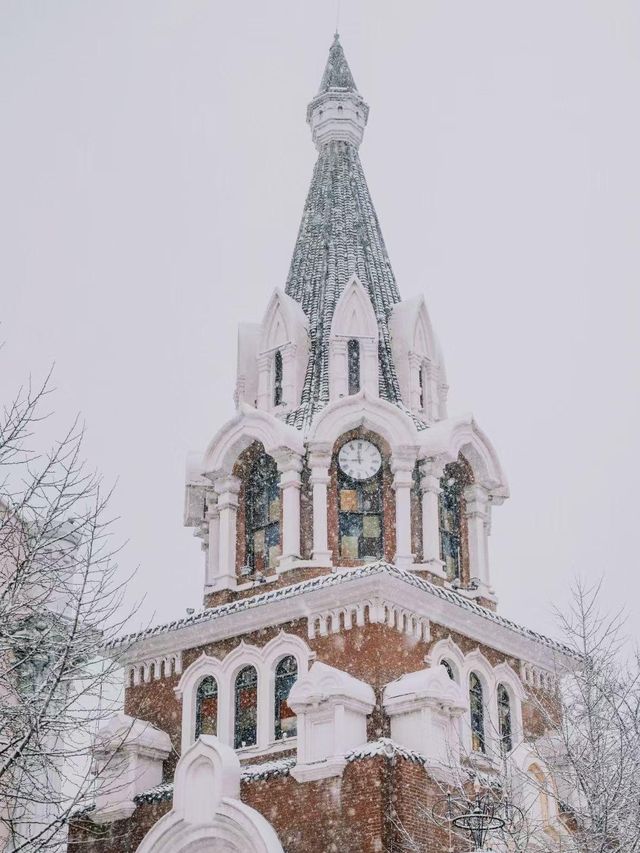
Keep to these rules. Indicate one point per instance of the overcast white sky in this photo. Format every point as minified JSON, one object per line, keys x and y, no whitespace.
{"x":154,"y":160}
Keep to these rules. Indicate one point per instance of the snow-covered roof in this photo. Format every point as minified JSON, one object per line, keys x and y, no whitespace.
{"x":382,"y":747}
{"x":333,"y":580}
{"x":339,"y":236}
{"x":337,"y":74}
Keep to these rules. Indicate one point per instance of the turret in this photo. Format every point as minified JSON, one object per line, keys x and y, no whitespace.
{"x":338,"y":112}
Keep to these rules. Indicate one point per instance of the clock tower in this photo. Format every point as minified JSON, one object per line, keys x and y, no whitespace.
{"x":349,"y":642}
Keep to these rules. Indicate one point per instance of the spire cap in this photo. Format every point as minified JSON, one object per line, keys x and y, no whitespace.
{"x":337,"y":74}
{"x":338,"y":112}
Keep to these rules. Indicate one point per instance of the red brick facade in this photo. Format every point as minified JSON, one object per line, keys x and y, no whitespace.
{"x":380,"y":805}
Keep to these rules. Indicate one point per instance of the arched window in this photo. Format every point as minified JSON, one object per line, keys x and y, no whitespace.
{"x":445,"y":663}
{"x":538,"y":811}
{"x":421,"y":372}
{"x":360,"y":510}
{"x":285,"y":719}
{"x":476,"y":703}
{"x":353,"y":365}
{"x":504,"y":718}
{"x":455,"y":477}
{"x":246,"y":708}
{"x":207,"y":707}
{"x":262,"y":515}
{"x":277,"y":378}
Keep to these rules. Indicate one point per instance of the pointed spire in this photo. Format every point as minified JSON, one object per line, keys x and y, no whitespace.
{"x":337,"y":74}
{"x":338,"y":112}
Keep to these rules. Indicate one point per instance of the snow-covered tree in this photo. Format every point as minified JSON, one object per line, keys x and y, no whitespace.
{"x":576,"y":787}
{"x":60,"y":598}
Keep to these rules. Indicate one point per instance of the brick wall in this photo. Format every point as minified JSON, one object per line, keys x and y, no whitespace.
{"x":374,"y":653}
{"x":379,"y":805}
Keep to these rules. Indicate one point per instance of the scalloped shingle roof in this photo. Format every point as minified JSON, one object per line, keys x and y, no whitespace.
{"x":339,"y":236}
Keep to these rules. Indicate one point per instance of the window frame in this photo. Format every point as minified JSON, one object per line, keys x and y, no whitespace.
{"x":259,"y":490}
{"x":278,"y":734}
{"x":354,"y":366}
{"x":238,"y":743}
{"x":505,"y":715}
{"x":198,"y":710}
{"x":477,"y":714}
{"x":278,"y":374}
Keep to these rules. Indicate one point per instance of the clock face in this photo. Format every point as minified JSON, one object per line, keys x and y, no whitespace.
{"x":359,"y":459}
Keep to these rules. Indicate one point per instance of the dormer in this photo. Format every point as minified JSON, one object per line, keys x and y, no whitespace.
{"x":418,"y":360}
{"x":282,"y":354}
{"x":353,"y":344}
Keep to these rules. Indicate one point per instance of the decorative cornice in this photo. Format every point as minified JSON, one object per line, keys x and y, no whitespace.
{"x":399,"y":587}
{"x":375,"y":611}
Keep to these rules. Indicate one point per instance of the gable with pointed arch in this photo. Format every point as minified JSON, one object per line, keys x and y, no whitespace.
{"x":354,"y":324}
{"x":207,"y":813}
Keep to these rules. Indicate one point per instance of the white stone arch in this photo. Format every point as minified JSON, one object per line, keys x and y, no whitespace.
{"x":284,"y":328}
{"x":187,"y":690}
{"x":280,"y":647}
{"x":225,"y":671}
{"x":506,"y":675}
{"x":246,"y":427}
{"x":353,"y":319}
{"x":539,"y":795}
{"x":442,"y":444}
{"x":476,"y":662}
{"x":447,"y":439}
{"x":207,"y":814}
{"x":363,"y":410}
{"x":450,"y":650}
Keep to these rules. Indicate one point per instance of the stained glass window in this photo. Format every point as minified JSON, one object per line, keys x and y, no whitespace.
{"x":451,"y":486}
{"x":476,"y":702}
{"x":286,"y":721}
{"x":360,"y":517}
{"x":263,"y":514}
{"x":353,"y":361}
{"x":277,"y":383}
{"x":246,"y":708}
{"x":504,"y":718}
{"x":445,"y":663}
{"x":207,"y":707}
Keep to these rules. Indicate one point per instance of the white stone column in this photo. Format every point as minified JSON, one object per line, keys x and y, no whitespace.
{"x":369,"y":366}
{"x":338,"y":369}
{"x":402,"y":469}
{"x":431,"y":392}
{"x":431,"y":472}
{"x":289,"y":466}
{"x":227,"y":489}
{"x":288,"y":353}
{"x":265,"y":391}
{"x":213,"y":539}
{"x":319,"y":461}
{"x":477,"y":513}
